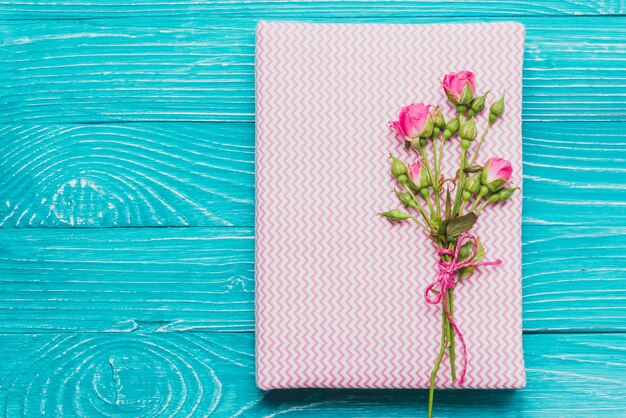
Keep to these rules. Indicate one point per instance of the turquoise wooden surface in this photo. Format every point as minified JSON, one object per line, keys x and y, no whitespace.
{"x":127,"y":209}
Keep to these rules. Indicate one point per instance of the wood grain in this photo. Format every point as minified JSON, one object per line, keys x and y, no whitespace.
{"x":101,"y":316}
{"x":202,"y":174}
{"x":127,"y":175}
{"x":185,"y":374}
{"x":197,"y":67}
{"x":198,"y":279}
{"x":77,"y":9}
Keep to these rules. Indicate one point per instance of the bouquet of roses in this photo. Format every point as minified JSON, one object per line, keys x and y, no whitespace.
{"x":447,"y":222}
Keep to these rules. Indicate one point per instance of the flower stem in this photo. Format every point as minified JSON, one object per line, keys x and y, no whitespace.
{"x":432,"y":179}
{"x":481,"y":207}
{"x":480,"y":143}
{"x":417,"y":221}
{"x":430,"y":205}
{"x":436,"y":179}
{"x":443,"y":141}
{"x":433,"y":374}
{"x":460,"y":181}
{"x":450,"y":302}
{"x":420,"y":208}
{"x":478,"y":198}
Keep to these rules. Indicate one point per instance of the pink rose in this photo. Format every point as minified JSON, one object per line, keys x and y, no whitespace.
{"x":419,"y":176}
{"x":496,"y":173}
{"x":454,"y":85}
{"x":414,"y":122}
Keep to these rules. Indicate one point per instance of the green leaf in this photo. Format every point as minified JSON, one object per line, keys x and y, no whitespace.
{"x":466,"y":251}
{"x":457,"y":226}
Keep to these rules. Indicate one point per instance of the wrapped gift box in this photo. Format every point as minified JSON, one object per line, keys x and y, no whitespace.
{"x":340,"y":291}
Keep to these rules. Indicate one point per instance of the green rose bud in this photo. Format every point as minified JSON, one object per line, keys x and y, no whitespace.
{"x":453,"y":126}
{"x":497,"y":107}
{"x":438,"y":119}
{"x":395,"y":215}
{"x":446,"y":135}
{"x":472,"y":184}
{"x":478,"y":104}
{"x":468,"y":130}
{"x":466,"y":195}
{"x":406,"y":199}
{"x":505,"y":193}
{"x":398,"y":168}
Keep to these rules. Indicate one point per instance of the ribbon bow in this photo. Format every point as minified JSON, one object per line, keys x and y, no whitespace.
{"x":446,"y":279}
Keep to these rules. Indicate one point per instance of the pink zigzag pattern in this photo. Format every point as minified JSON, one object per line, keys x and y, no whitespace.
{"x":339,"y":291}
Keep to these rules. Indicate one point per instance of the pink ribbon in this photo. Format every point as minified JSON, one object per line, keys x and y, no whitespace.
{"x":446,"y":279}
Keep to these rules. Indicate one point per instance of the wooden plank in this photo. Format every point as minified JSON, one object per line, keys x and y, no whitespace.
{"x":179,"y":279}
{"x":199,"y":67}
{"x":120,"y":279}
{"x":80,"y":9}
{"x":202,"y":174}
{"x":186,"y":374}
{"x":127,"y":175}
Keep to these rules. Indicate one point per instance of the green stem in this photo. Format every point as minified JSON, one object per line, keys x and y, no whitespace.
{"x":461,"y":206}
{"x":433,"y":374}
{"x":459,"y":187}
{"x":481,"y":207}
{"x":435,"y":158}
{"x":450,"y":302}
{"x":426,"y":229}
{"x":480,"y":143}
{"x":478,"y":198}
{"x":441,"y":153}
{"x":420,"y":208}
{"x":436,"y":180}
{"x":433,"y":181}
{"x":429,"y":203}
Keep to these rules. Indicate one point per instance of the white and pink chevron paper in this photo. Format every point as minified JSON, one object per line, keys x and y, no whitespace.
{"x":339,"y":290}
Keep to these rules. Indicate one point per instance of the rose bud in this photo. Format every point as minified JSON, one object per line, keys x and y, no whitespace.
{"x":395,"y":215}
{"x":452,"y":127}
{"x":496,"y":173}
{"x":398,"y":169}
{"x":414,"y":122}
{"x":478,"y":104}
{"x":468,"y":130}
{"x":472,"y":184}
{"x":438,"y":119}
{"x":496,"y":110}
{"x":459,"y":87}
{"x":505,"y":193}
{"x":407,"y":199}
{"x":419,"y":176}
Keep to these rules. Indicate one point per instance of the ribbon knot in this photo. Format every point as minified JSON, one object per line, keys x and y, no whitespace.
{"x":446,"y":280}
